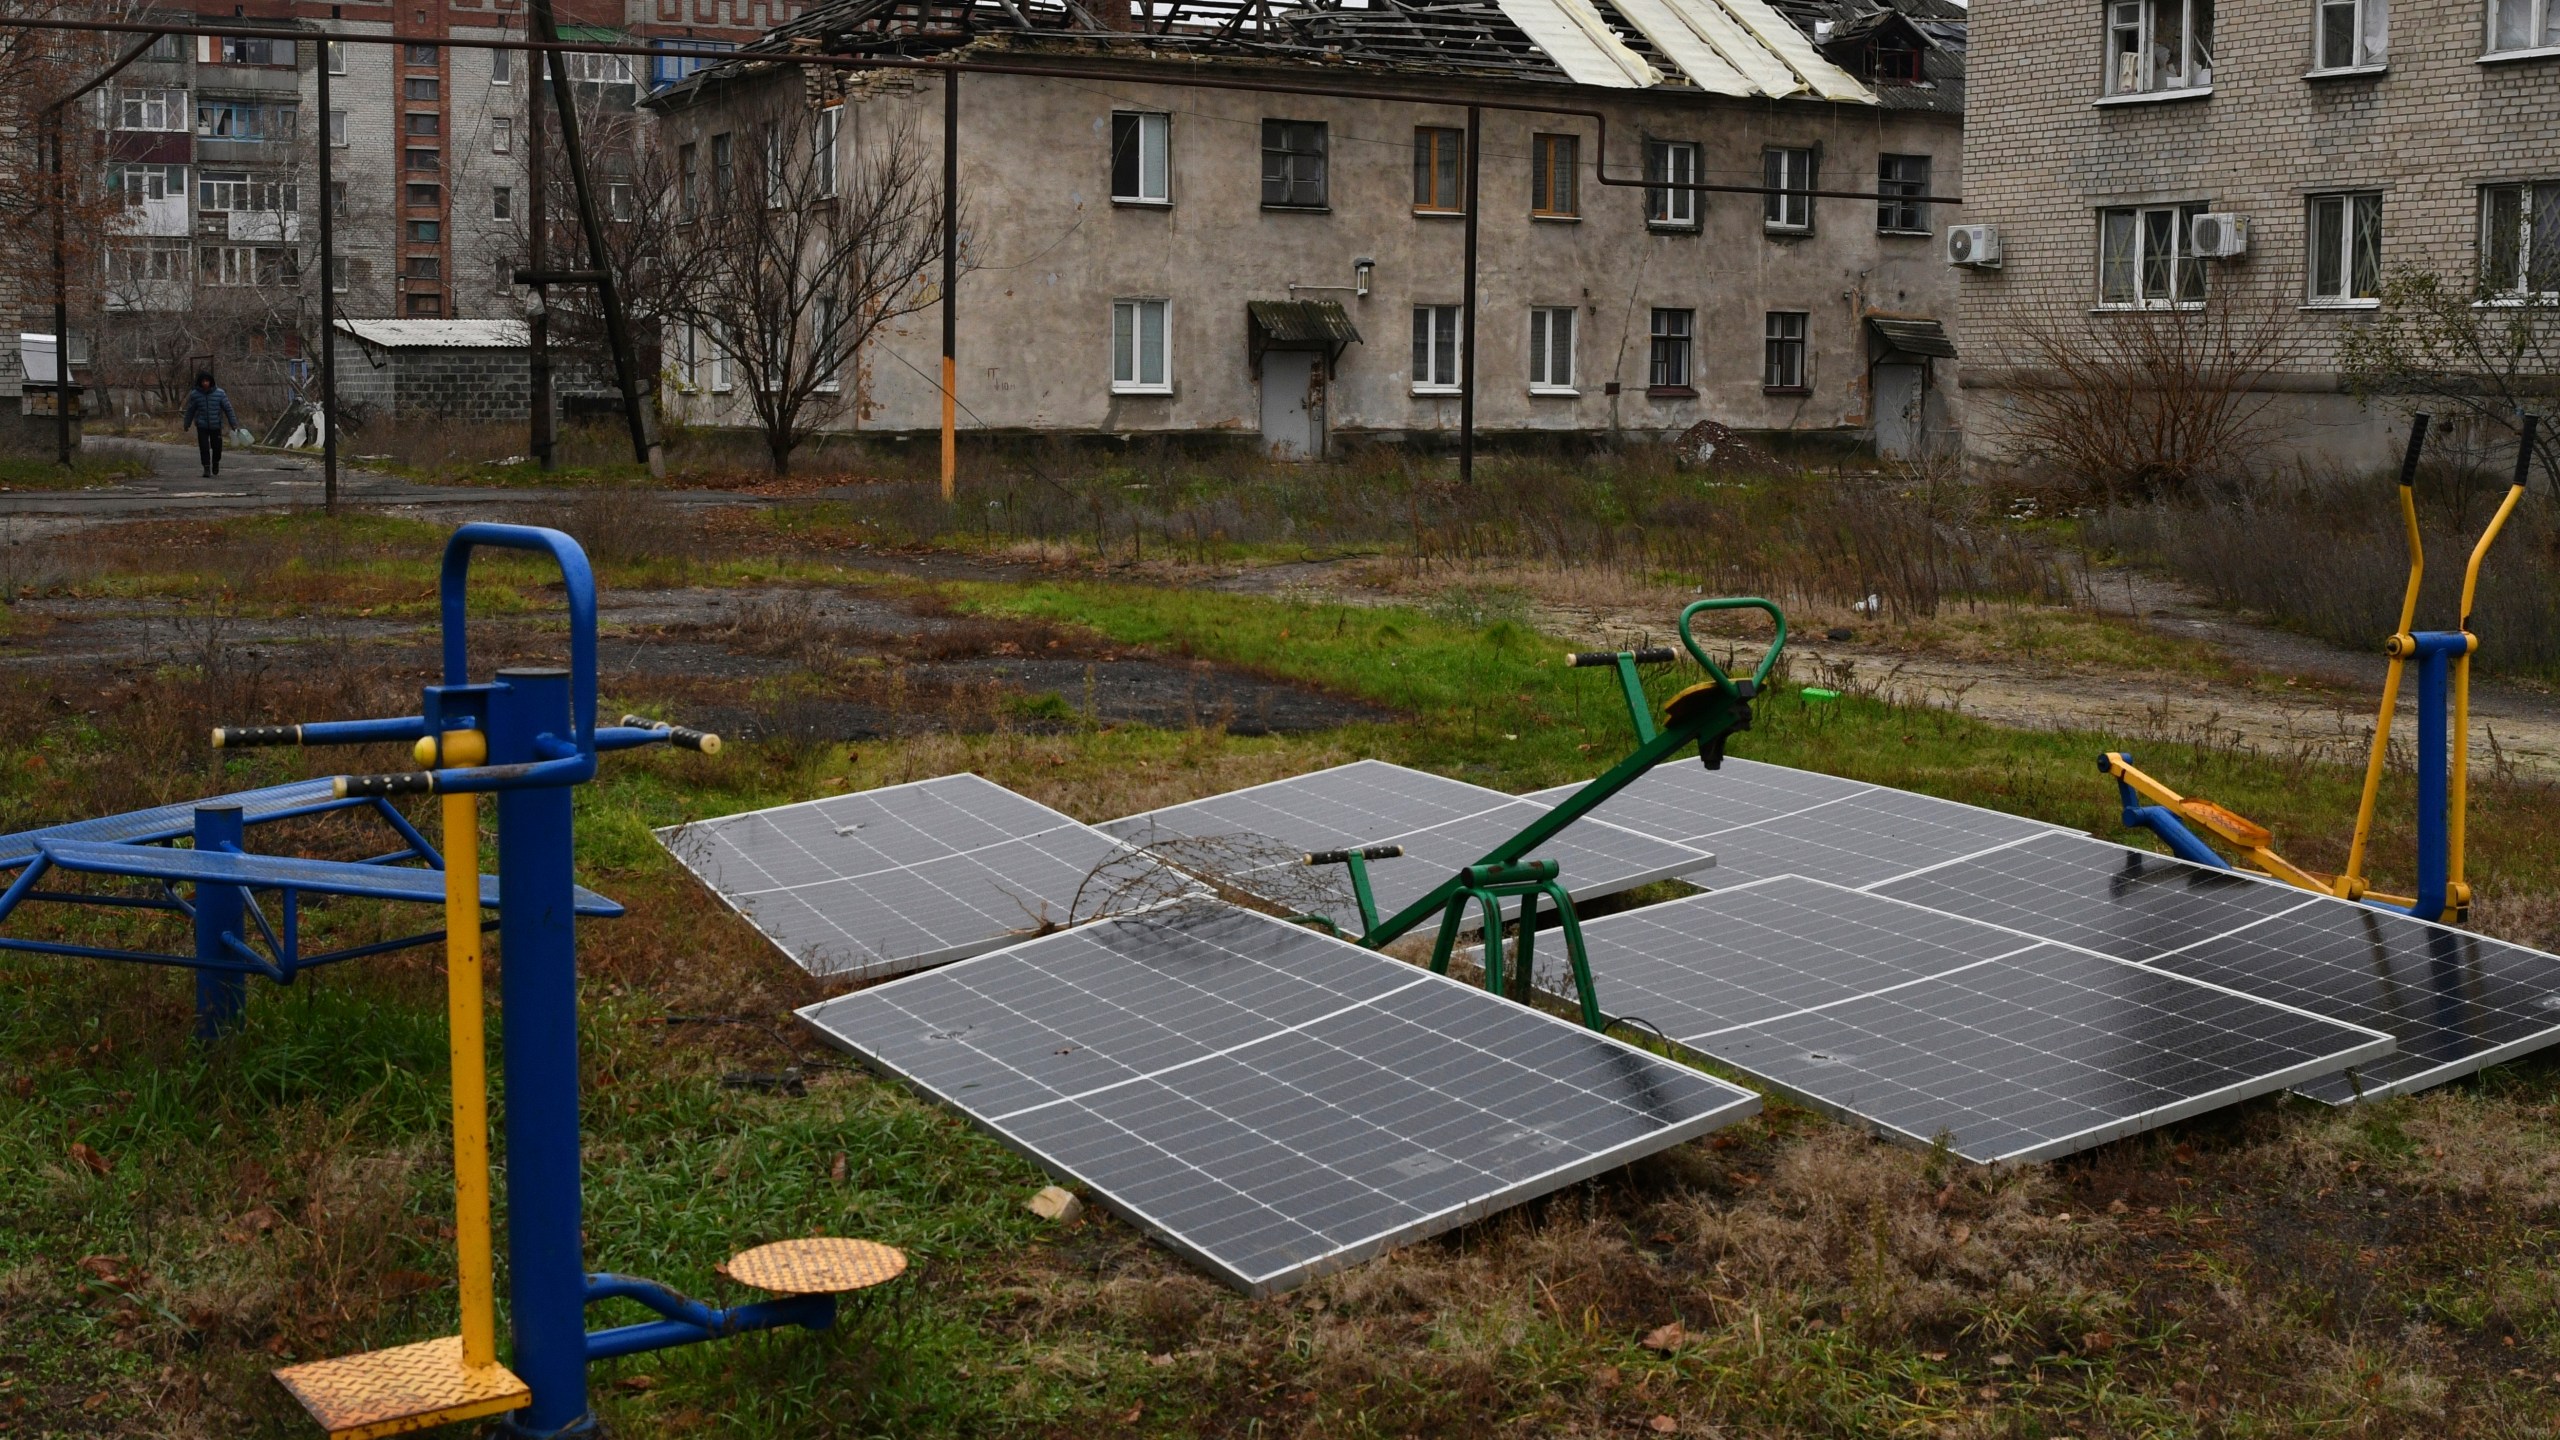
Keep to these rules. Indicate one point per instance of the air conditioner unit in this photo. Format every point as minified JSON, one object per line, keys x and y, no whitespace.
{"x":1974,"y":245}
{"x":2216,"y":235}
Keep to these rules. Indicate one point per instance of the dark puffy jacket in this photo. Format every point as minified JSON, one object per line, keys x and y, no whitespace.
{"x":208,"y":410}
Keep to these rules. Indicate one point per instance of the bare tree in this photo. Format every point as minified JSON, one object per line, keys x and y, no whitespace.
{"x":806,"y":246}
{"x":2487,"y":350}
{"x":2151,"y":400}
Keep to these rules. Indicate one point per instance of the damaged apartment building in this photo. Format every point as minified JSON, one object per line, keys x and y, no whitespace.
{"x":1178,"y":224}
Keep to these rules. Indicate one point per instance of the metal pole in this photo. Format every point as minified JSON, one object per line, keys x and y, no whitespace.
{"x":61,"y":307}
{"x":538,"y":258}
{"x":626,"y":361}
{"x":328,"y":307}
{"x":1467,"y":315}
{"x":950,"y":282}
{"x":220,"y":910}
{"x":538,"y":995}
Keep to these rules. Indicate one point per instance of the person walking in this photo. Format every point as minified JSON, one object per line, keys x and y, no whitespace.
{"x":209,"y":410}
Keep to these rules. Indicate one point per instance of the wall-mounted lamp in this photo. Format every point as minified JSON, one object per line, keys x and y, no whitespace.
{"x":1360,"y":271}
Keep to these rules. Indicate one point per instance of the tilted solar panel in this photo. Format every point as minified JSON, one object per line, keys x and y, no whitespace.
{"x":1267,"y":1100}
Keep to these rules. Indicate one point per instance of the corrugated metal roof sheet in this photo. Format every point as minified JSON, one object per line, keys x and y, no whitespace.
{"x":440,"y":334}
{"x":1303,"y":320}
{"x":1913,"y":337}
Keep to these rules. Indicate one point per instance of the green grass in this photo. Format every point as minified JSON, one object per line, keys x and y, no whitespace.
{"x":87,"y":470}
{"x":278,"y":1196}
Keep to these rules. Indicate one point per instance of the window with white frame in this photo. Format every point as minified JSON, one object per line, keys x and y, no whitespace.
{"x":596,"y":69}
{"x":246,"y":120}
{"x":822,"y":149}
{"x":2523,"y":25}
{"x":151,"y":109}
{"x":719,"y":360}
{"x":1674,"y":334}
{"x":2520,"y":238}
{"x":502,"y":67}
{"x":139,"y":184}
{"x":1138,"y":364}
{"x":1435,"y":349}
{"x":1551,"y":350}
{"x":621,"y":200}
{"x":2353,"y":34}
{"x":338,"y":57}
{"x":338,"y":128}
{"x":1788,"y":173}
{"x":1669,"y":163}
{"x":2143,"y":262}
{"x":1900,"y":182}
{"x":776,"y":176}
{"x":2158,"y":46}
{"x":1141,"y":158}
{"x":2346,"y":248}
{"x":1782,"y":347}
{"x":221,"y":190}
{"x":147,"y":262}
{"x":502,"y":135}
{"x":243,"y":265}
{"x":827,"y":341}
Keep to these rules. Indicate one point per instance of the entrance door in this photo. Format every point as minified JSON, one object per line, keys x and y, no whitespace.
{"x":1293,"y":404}
{"x":1900,"y":393}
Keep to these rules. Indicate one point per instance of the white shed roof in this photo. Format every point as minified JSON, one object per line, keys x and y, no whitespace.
{"x":439,"y":334}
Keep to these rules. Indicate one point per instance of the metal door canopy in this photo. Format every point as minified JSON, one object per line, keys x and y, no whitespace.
{"x":1443,"y":825}
{"x":1269,"y":1101}
{"x":886,"y":881}
{"x":2455,"y":1001}
{"x":1764,"y":820}
{"x":1930,"y":1027}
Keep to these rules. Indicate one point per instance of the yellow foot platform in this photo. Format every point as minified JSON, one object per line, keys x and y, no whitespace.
{"x":408,"y":1387}
{"x":820,"y":1265}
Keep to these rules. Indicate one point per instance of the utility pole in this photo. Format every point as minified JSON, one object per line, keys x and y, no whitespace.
{"x":950,"y":282}
{"x":1467,"y":316}
{"x":61,"y":305}
{"x":538,"y":258}
{"x":328,"y":306}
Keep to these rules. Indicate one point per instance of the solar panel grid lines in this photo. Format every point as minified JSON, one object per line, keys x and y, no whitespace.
{"x":1270,"y":1101}
{"x":1924,"y":1023}
{"x":882,"y":881}
{"x":2109,"y":898}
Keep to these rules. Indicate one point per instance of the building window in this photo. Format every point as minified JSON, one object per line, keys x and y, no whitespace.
{"x":243,"y":265}
{"x":424,"y":197}
{"x":2346,"y":248}
{"x":2353,"y":34}
{"x":822,"y":151}
{"x":1141,"y":158}
{"x":1439,"y":160}
{"x":1551,"y":175}
{"x":1435,"y":349}
{"x":152,"y":262}
{"x":502,"y":136}
{"x":724,"y":172}
{"x":1293,"y":154}
{"x":340,"y":269}
{"x":1782,"y":351}
{"x":338,"y":128}
{"x":827,"y":344}
{"x":2156,"y":46}
{"x":426,"y":232}
{"x":421,"y":88}
{"x":422,"y":56}
{"x":621,"y":201}
{"x":138,"y":184}
{"x":164,"y":110}
{"x":246,"y":120}
{"x":2143,"y":260}
{"x":425,"y":267}
{"x":170,"y":48}
{"x":683,"y":58}
{"x":2524,"y":25}
{"x":1674,"y":332}
{"x":223,"y":190}
{"x":688,"y":194}
{"x":425,"y":303}
{"x":1137,"y":348}
{"x":237,"y":50}
{"x":1900,"y":182}
{"x":424,"y":160}
{"x":338,"y":197}
{"x":1669,"y":163}
{"x":2520,"y":238}
{"x":719,"y":361}
{"x":428,"y":125}
{"x":1551,"y":350}
{"x":502,"y":67}
{"x":502,"y":202}
{"x":1788,"y":175}
{"x":593,"y":69}
{"x":777,"y":182}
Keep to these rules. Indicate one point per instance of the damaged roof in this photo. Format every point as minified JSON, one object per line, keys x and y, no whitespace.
{"x":1742,"y":48}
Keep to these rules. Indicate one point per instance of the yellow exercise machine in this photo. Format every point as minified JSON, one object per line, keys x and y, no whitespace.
{"x":2443,"y":786}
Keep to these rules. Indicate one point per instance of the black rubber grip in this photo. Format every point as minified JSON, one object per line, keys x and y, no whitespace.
{"x":677,"y":735}
{"x":1650,"y":655}
{"x":408,"y":782}
{"x":1337,"y":857}
{"x":240,"y":737}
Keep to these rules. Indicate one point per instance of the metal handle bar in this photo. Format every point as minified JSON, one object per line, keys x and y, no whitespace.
{"x":1768,"y":658}
{"x":676,"y":735}
{"x":1338,"y":857}
{"x":576,"y":576}
{"x":320,"y":732}
{"x":1650,"y":655}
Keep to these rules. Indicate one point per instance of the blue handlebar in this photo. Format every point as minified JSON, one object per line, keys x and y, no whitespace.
{"x":575,"y":575}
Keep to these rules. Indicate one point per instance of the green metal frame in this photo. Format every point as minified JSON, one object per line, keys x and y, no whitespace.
{"x":1703,"y":715}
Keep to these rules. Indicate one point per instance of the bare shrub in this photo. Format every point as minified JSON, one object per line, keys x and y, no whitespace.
{"x":618,"y":525}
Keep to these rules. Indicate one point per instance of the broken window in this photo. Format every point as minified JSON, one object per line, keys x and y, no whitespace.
{"x":688,"y":193}
{"x":1782,"y":350}
{"x":1551,"y":175}
{"x":1293,"y":164}
{"x":1674,"y":332}
{"x":1670,"y":163}
{"x":1138,"y":348}
{"x":822,"y":150}
{"x":1439,"y":159}
{"x":502,"y":202}
{"x":502,"y":135}
{"x":1788,"y":174}
{"x":1141,"y":158}
{"x":2159,"y":45}
{"x":1435,"y":349}
{"x":2524,"y":25}
{"x":724,"y":178}
{"x":1551,"y":350}
{"x":423,"y":56}
{"x":1900,"y":182}
{"x":2520,"y":238}
{"x":425,"y":267}
{"x":2143,"y":261}
{"x":2346,"y":248}
{"x":237,"y":50}
{"x":2351,"y":33}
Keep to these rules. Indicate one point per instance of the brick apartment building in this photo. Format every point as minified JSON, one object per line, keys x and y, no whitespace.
{"x":2354,"y":137}
{"x":1154,"y":259}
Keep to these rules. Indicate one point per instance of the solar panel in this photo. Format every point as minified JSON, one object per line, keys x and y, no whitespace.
{"x":898,"y":878}
{"x":1928,"y":1025}
{"x":2454,"y":1001}
{"x":1267,"y":1100}
{"x":1765,"y":820}
{"x":1442,"y":824}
